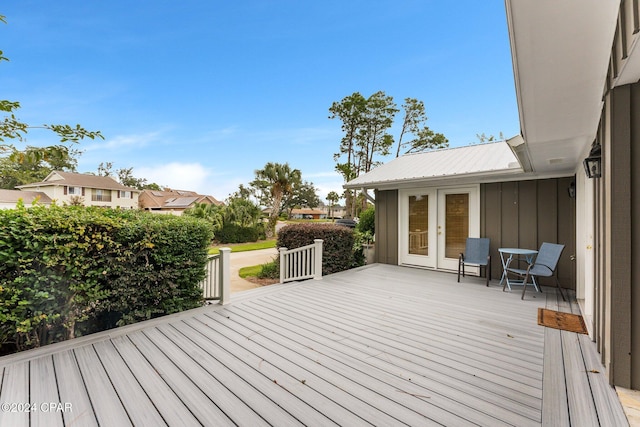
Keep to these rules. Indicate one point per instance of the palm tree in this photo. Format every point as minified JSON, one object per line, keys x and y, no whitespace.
{"x":210,"y":212}
{"x":242,"y":212}
{"x":332,"y":198}
{"x":275,"y":181}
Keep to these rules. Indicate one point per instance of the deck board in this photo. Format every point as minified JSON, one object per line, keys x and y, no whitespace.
{"x":607,"y":405}
{"x":15,"y":390}
{"x":287,"y":369}
{"x":188,"y":380}
{"x":133,"y":397}
{"x":256,"y":406}
{"x":71,"y":389}
{"x":555,"y":404}
{"x":399,"y":362}
{"x":105,"y":401}
{"x":381,"y":345}
{"x":484,"y":351}
{"x":395,"y":374}
{"x":42,"y":385}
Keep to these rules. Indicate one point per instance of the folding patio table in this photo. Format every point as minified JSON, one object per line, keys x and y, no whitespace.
{"x":507,"y":256}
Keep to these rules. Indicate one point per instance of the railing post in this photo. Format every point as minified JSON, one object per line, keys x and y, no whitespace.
{"x":282,"y":264}
{"x":225,"y":275}
{"x":317,"y":274}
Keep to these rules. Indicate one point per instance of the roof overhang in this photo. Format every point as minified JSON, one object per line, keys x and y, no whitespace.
{"x":560,"y":51}
{"x":480,"y":163}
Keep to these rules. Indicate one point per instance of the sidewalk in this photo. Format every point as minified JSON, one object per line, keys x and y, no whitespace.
{"x":248,"y":259}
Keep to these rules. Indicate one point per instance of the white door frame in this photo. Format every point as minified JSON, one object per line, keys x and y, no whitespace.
{"x":585,"y":251}
{"x":436,"y":258}
{"x":474,"y":224}
{"x":430,"y":260}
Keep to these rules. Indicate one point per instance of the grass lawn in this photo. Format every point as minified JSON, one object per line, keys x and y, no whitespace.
{"x":242,"y":247}
{"x":252,"y":271}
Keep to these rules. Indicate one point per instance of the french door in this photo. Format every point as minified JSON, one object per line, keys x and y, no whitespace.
{"x":435,"y":224}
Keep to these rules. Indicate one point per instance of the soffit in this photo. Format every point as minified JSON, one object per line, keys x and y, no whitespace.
{"x":560,"y":51}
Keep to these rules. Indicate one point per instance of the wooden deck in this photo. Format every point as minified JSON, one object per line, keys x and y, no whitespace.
{"x":382,"y":345}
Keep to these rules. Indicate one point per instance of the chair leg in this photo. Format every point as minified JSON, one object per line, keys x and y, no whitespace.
{"x":487,"y":269}
{"x":524,"y":284}
{"x":559,"y":289}
{"x":459,"y":264}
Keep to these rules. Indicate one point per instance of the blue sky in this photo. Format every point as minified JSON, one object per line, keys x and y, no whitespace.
{"x":198,"y":94}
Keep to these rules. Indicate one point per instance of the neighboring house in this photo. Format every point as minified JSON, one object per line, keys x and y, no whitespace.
{"x":306,"y":213}
{"x":173,"y":202}
{"x":336,"y":211}
{"x":9,"y":198}
{"x":300,"y":213}
{"x":577,"y":74}
{"x":85,"y":189}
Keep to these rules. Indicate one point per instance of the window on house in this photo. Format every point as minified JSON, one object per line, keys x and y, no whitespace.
{"x":125,"y":194}
{"x":75,"y":191}
{"x":101,"y":195}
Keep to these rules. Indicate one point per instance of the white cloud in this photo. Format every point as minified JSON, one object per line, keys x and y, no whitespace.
{"x":326,"y":182}
{"x":178,"y":176}
{"x":124,"y":141}
{"x":331,"y":174}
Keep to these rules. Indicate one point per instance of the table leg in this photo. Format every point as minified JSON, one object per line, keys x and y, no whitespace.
{"x":505,"y":265}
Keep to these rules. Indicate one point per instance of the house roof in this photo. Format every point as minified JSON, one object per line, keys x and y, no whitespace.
{"x":469,"y":162}
{"x":57,"y":178}
{"x":180,"y":202}
{"x":12,"y":196}
{"x":174,"y":199}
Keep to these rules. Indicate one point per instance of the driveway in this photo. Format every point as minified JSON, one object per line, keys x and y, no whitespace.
{"x":248,"y":259}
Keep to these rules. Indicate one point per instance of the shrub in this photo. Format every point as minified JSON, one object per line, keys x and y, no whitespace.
{"x":367,"y":221}
{"x":65,"y":270}
{"x":337,"y":247}
{"x":270,"y":270}
{"x":159,"y":268}
{"x":233,"y":233}
{"x":53,"y":264}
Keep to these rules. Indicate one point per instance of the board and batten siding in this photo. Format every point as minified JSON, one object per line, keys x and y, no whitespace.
{"x":386,"y":222}
{"x":512,"y":214}
{"x":524,"y":214}
{"x":618,"y":237}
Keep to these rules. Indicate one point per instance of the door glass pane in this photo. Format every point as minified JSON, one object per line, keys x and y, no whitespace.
{"x":457,"y":224}
{"x":419,"y":225}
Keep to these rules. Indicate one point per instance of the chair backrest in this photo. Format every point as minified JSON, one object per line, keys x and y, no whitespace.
{"x":476,"y":250}
{"x":549,"y":255}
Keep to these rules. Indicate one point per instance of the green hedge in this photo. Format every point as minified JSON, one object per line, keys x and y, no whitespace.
{"x":233,"y":233}
{"x":337,"y":246}
{"x":68,"y":271}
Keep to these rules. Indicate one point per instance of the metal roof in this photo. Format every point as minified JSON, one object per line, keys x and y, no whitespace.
{"x":472,"y":161}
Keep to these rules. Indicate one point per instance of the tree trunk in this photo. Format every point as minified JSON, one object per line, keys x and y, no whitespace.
{"x":273,"y":217}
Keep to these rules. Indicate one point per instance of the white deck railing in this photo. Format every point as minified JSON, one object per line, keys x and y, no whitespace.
{"x":301,"y":263}
{"x":217,"y":283}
